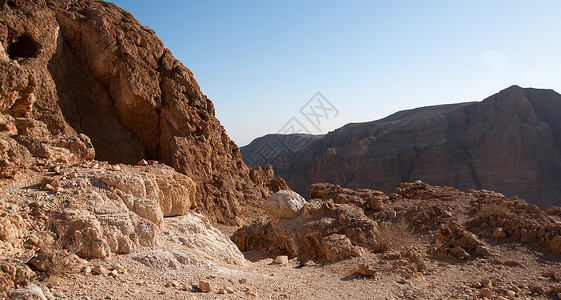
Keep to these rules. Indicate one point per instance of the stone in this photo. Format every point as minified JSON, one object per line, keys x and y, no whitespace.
{"x":499,"y":233}
{"x":488,"y":283}
{"x":284,"y":205}
{"x":555,"y":245}
{"x":511,"y":294}
{"x":32,"y":292}
{"x":205,"y":286}
{"x":282,"y":260}
{"x":459,"y":252}
{"x":41,"y":261}
{"x":487,"y":293}
{"x":366,"y":269}
{"x":100,"y":270}
{"x":120,"y":269}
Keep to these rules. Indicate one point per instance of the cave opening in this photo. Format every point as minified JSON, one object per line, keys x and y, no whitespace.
{"x":23,"y":47}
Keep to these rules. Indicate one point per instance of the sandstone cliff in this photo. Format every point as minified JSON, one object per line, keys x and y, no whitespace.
{"x":509,"y":142}
{"x":88,"y":68}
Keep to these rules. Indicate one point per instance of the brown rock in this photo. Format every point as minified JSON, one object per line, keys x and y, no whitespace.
{"x":90,"y":77}
{"x":313,"y":234}
{"x":100,"y":270}
{"x":205,"y":286}
{"x":555,"y":245}
{"x":487,"y":293}
{"x":366,"y":269}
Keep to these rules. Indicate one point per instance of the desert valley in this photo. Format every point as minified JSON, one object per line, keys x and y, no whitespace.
{"x":119,"y":182}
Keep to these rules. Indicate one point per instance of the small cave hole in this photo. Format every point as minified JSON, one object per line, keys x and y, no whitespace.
{"x":23,"y":47}
{"x":12,"y":4}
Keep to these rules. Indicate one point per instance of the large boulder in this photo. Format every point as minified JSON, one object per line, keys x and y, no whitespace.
{"x":324,"y":231}
{"x":284,"y":205}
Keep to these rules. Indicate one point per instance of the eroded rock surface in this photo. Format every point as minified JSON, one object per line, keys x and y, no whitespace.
{"x":85,"y":75}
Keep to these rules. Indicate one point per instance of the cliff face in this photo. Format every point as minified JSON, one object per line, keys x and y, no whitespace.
{"x":90,"y":68}
{"x":267,"y":149}
{"x":509,"y":142}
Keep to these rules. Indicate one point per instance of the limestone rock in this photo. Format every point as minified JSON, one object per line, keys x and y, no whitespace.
{"x":368,"y":199}
{"x":32,"y":292}
{"x":366,"y":269}
{"x":284,"y":205}
{"x":86,"y":75}
{"x":100,"y":270}
{"x":324,"y":231}
{"x":282,"y":260}
{"x":455,"y":240}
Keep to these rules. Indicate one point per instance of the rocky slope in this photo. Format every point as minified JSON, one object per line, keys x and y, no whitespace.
{"x":88,"y":68}
{"x":509,"y":142}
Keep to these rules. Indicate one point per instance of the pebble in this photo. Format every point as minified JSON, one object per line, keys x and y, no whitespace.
{"x":488,"y":283}
{"x":100,"y":270}
{"x":485,"y":292}
{"x":120,"y":269}
{"x":250,"y":292}
{"x":204,"y":286}
{"x":511,"y":294}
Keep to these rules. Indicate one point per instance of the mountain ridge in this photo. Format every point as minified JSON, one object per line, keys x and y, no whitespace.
{"x":508,"y":142}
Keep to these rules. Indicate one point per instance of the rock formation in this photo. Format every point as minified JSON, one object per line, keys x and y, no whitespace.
{"x":341,"y":223}
{"x":88,"y":71}
{"x":508,"y":142}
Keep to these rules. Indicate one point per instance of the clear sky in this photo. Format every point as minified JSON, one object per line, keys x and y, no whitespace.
{"x":261,"y":61}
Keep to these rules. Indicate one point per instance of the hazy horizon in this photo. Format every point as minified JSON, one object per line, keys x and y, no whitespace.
{"x":262,"y":63}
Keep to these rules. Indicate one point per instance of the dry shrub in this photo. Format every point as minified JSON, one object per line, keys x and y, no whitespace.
{"x":393,"y":236}
{"x":59,"y":261}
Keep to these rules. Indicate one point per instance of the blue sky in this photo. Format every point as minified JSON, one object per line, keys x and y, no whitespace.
{"x":261,"y":61}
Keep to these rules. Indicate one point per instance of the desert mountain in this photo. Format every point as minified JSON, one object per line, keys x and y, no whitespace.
{"x":509,"y":142}
{"x":260,"y":150}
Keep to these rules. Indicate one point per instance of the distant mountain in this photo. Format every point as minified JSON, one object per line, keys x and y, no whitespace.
{"x":510,"y":142}
{"x":267,"y":149}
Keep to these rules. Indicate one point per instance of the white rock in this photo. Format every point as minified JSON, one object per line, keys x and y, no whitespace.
{"x":32,"y":292}
{"x":284,"y":205}
{"x":282,"y":259}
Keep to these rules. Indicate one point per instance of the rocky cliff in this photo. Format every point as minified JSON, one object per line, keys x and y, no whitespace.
{"x":267,"y":149}
{"x":89,"y":70}
{"x":509,"y":142}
